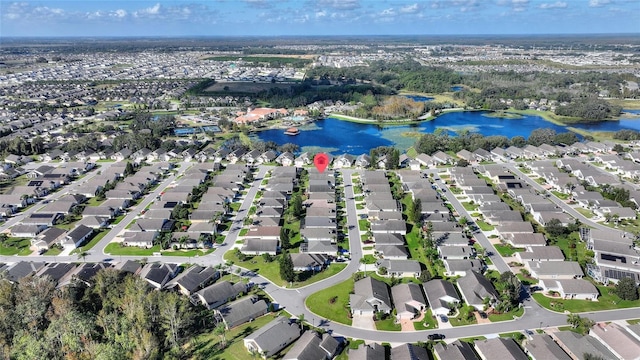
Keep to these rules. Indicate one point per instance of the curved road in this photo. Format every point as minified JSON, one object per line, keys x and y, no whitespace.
{"x":293,"y":300}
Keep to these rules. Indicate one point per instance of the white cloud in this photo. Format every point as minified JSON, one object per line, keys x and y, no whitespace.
{"x":339,"y":4}
{"x":120,"y":13}
{"x":388,"y":12}
{"x":555,"y":5}
{"x":321,"y":14}
{"x":410,"y":9}
{"x":598,"y":3}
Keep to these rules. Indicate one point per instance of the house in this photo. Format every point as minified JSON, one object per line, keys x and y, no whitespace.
{"x":56,"y":271}
{"x":84,"y":273}
{"x":554,"y":269}
{"x":26,"y":231}
{"x":77,"y":236}
{"x":615,"y":256}
{"x":617,"y":340}
{"x":540,"y":253}
{"x":398,"y":268}
{"x":19,"y":270}
{"x":285,"y":159}
{"x":370,"y":296}
{"x":456,"y":252}
{"x":157,"y":274}
{"x":218,"y":294}
{"x":139,"y":238}
{"x":258,"y":246}
{"x":47,"y":238}
{"x":474,"y":288}
{"x":312,"y":345}
{"x":193,"y":279}
{"x":458,"y":350}
{"x":409,"y":352}
{"x":443,"y":158}
{"x":409,"y":301}
{"x":571,"y":288}
{"x":363,"y":161}
{"x":461,"y":267}
{"x":373,"y":351}
{"x":273,"y":337}
{"x":441,"y":295}
{"x":241,"y":311}
{"x":302,"y":160}
{"x":542,"y":347}
{"x":499,"y":348}
{"x":309,"y":262}
{"x":577,"y":346}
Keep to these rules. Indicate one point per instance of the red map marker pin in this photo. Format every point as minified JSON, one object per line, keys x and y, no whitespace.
{"x":321,"y":160}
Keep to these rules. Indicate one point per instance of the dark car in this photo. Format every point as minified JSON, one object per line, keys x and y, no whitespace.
{"x":435,"y":336}
{"x":483,"y":314}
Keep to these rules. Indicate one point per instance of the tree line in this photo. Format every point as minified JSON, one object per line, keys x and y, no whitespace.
{"x":119,"y":317}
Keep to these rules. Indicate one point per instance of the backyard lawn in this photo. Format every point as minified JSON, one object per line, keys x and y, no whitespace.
{"x":206,"y":345}
{"x":332,"y":303}
{"x":484,"y":226}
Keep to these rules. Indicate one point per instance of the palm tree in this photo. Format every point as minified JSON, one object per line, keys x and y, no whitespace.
{"x":363,"y":261}
{"x":83,"y":255}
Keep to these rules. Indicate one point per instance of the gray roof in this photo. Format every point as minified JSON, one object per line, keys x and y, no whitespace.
{"x":438,"y":289}
{"x":195,"y":276}
{"x":409,"y":352}
{"x":221,"y":291}
{"x":407,"y":293}
{"x":543,"y":252}
{"x":241,"y":311}
{"x":399,"y":265}
{"x":500,"y":348}
{"x":580,"y":345}
{"x":251,"y":245}
{"x":457,"y":350}
{"x":275,"y":336}
{"x":543,"y":347}
{"x":455,"y":265}
{"x":368,"y":352}
{"x":313,"y":346}
{"x":370,"y":288}
{"x":474,"y":287}
{"x":562,"y":268}
{"x":22,"y":269}
{"x":56,"y":270}
{"x":388,"y":239}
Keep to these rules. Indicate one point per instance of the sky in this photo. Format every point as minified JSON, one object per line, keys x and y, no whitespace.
{"x":315,"y":17}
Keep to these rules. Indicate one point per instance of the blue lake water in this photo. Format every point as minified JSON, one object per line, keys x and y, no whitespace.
{"x":419,"y":98}
{"x":337,"y":136}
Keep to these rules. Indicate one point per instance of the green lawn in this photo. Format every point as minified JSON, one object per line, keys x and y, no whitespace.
{"x":473,"y":339}
{"x":94,"y":201}
{"x":506,"y":316}
{"x":188,"y":253}
{"x":633,"y":321}
{"x":206,"y":345}
{"x":363,"y":224}
{"x":53,"y":251}
{"x":606,"y":301}
{"x":388,"y":325}
{"x":88,"y":246}
{"x":117,"y":249}
{"x":332,"y":303}
{"x":484,"y":226}
{"x":585,"y":212}
{"x":469,"y":206}
{"x":243,"y":232}
{"x":506,"y":250}
{"x":560,"y":195}
{"x":428,"y":323}
{"x":15,"y":246}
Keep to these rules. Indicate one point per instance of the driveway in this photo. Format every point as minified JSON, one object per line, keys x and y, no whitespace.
{"x":363,"y":322}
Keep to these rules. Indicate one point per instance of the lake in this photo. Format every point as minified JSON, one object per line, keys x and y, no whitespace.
{"x":338,"y":136}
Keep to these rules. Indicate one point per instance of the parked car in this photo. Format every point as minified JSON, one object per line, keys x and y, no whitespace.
{"x":443,"y":318}
{"x":483,"y":314}
{"x":435,"y":336}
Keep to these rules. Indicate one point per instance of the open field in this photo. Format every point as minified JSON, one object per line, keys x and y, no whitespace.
{"x":332,"y":303}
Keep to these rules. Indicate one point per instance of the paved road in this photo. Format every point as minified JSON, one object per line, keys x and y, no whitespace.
{"x":54,"y":196}
{"x":497,"y":260}
{"x":293,"y":299}
{"x":559,"y":202}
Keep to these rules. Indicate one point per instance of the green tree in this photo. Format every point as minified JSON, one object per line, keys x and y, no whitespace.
{"x":416,"y":211}
{"x":286,"y":268}
{"x":626,"y":289}
{"x":128,"y":170}
{"x":285,"y":240}
{"x":296,"y":206}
